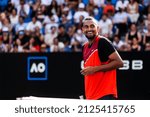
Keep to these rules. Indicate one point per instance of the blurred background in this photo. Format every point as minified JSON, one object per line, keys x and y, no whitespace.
{"x":52,"y":28}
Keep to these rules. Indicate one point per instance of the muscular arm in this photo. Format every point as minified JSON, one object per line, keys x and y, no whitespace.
{"x":115,"y":62}
{"x":108,"y":53}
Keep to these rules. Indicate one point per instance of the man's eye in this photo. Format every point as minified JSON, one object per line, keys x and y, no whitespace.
{"x":85,"y":26}
{"x":92,"y":26}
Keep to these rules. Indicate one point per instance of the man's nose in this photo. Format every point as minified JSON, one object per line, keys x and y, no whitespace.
{"x":88,"y":29}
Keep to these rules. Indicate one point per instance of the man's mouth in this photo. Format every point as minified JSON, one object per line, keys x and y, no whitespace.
{"x":90,"y":32}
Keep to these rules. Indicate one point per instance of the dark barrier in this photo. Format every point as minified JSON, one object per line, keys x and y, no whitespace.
{"x":18,"y":77}
{"x":58,"y":75}
{"x":134,"y":79}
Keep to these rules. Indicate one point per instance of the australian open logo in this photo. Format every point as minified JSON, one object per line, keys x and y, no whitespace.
{"x":37,"y":68}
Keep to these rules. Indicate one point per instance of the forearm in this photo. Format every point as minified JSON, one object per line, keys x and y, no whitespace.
{"x":110,"y":66}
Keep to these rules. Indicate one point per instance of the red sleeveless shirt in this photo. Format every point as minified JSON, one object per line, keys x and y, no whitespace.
{"x":100,"y":83}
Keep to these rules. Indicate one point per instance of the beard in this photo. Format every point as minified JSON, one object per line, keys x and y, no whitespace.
{"x":90,"y":38}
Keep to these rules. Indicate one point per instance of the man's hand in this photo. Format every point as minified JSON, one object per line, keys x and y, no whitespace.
{"x":88,"y":70}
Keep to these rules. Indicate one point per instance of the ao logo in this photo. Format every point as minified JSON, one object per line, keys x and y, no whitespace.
{"x":37,"y":68}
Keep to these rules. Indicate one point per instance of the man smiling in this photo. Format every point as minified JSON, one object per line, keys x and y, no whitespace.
{"x":100,"y":63}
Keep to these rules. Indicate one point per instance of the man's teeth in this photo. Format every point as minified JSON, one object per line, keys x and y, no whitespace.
{"x":89,"y":32}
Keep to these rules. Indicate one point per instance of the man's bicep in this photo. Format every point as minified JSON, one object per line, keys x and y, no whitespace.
{"x":105,"y":50}
{"x":115,"y":56}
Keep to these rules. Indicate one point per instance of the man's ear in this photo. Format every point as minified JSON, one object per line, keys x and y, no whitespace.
{"x":98,"y":29}
{"x":82,"y":29}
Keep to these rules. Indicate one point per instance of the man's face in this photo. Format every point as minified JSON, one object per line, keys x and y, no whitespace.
{"x":104,"y":17}
{"x":21,"y":20}
{"x":90,"y":29}
{"x":33,"y":19}
{"x":133,"y":27}
{"x":61,"y":30}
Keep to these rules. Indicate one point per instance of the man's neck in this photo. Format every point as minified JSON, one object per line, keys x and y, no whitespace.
{"x":92,"y":41}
